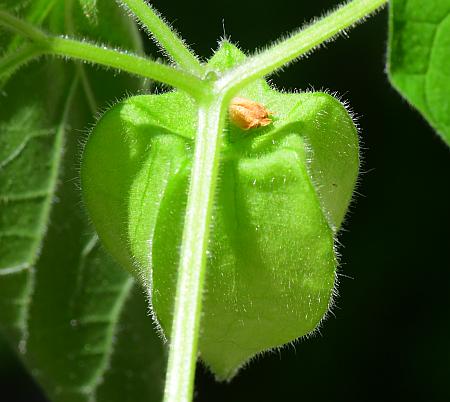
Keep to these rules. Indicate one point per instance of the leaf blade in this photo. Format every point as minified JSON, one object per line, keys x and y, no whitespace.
{"x":419,"y":48}
{"x":50,"y":290}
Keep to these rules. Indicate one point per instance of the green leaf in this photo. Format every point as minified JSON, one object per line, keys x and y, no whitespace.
{"x":90,"y":9}
{"x":419,"y":53}
{"x":77,"y":320}
{"x":283,"y":193}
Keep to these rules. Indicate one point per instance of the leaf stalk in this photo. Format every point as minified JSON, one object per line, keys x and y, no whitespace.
{"x":298,"y":44}
{"x":166,"y":37}
{"x":105,"y":56}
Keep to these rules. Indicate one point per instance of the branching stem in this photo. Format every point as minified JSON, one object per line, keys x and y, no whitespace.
{"x":88,"y":52}
{"x":212,"y":96}
{"x":191,"y":272}
{"x":282,"y":53}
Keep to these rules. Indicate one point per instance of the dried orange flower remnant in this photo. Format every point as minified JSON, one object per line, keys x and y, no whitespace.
{"x":247,"y":114}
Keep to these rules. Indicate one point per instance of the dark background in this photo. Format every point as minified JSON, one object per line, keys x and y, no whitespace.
{"x":390,"y":337}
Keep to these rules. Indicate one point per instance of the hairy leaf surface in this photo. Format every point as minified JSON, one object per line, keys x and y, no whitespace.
{"x":78,"y":321}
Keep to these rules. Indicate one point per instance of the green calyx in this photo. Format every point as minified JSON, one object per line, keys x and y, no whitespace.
{"x":282,"y":195}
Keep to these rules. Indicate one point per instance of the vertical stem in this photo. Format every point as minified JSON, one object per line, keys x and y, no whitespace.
{"x":70,"y":29}
{"x":191,"y":272}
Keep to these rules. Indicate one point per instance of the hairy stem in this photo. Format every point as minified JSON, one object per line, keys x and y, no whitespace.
{"x":191,"y":272}
{"x":298,"y":44}
{"x":17,"y":58}
{"x":22,"y":27}
{"x":126,"y":62}
{"x":88,"y":52}
{"x":212,"y":101}
{"x":162,"y":33}
{"x":39,"y":10}
{"x":70,"y":29}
